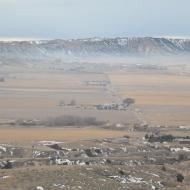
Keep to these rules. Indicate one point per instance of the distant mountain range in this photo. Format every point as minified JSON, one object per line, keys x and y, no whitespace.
{"x":90,"y":47}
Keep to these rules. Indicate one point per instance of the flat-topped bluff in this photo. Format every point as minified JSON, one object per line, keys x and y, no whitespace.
{"x":89,"y":47}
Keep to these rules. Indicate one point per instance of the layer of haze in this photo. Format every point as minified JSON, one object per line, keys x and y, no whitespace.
{"x":93,"y":18}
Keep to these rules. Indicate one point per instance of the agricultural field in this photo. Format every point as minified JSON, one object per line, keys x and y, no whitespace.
{"x":162,"y":98}
{"x":38,"y":95}
{"x":53,"y":136}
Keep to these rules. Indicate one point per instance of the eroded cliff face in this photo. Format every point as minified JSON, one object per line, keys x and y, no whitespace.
{"x":83,"y":48}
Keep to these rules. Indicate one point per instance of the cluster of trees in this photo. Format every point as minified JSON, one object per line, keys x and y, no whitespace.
{"x":68,"y":120}
{"x":65,"y":120}
{"x":161,"y":139}
{"x":128,"y":101}
{"x":72,"y":103}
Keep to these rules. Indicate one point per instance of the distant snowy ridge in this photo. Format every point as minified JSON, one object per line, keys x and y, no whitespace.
{"x":80,"y":48}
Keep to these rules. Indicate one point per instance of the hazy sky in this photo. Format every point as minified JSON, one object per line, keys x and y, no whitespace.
{"x":93,"y":18}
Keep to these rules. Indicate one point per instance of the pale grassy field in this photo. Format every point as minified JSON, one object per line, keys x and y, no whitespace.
{"x":8,"y":134}
{"x":163,"y":98}
{"x":38,"y":94}
{"x":46,"y":90}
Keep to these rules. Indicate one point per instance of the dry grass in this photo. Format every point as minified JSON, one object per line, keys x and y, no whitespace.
{"x":45,"y":90}
{"x":32,"y":134}
{"x":163,"y":92}
{"x":152,"y":79}
{"x":160,"y":98}
{"x":154,"y":89}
